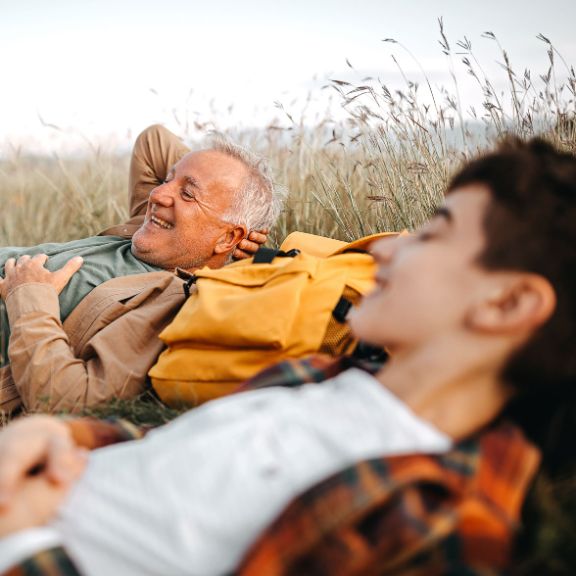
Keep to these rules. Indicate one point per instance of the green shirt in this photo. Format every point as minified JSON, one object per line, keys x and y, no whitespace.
{"x":105,"y":257}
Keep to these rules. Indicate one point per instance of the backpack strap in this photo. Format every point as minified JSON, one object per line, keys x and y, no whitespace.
{"x":341,"y":310}
{"x":188,"y":285}
{"x":189,"y":280}
{"x":266,"y":255}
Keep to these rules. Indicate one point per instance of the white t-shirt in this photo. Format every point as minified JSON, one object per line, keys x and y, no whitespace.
{"x":192,"y":496}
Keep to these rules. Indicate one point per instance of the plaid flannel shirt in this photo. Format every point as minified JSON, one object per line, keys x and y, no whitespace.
{"x":451,"y":514}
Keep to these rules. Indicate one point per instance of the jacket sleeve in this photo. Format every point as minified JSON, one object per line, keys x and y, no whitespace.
{"x":50,"y":375}
{"x":414,"y":529}
{"x":92,"y":433}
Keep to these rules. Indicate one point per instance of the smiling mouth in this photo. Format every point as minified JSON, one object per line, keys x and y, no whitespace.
{"x":161,"y":223}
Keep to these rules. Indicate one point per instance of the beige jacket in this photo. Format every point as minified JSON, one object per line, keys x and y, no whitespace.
{"x":110,"y":341}
{"x":103,"y":351}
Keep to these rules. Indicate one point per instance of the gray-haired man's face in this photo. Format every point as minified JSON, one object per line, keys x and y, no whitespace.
{"x":184,"y":217}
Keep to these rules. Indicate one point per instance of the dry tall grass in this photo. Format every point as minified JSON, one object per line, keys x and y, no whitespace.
{"x":383,"y":167}
{"x":58,"y":199}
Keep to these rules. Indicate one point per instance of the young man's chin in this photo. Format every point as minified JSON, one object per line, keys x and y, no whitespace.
{"x":360,"y":322}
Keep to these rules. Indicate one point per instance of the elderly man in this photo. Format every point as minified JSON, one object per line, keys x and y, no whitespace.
{"x":419,"y":474}
{"x":197,"y":215}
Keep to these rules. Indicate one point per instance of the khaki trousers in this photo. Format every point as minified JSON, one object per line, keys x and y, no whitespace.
{"x":155,"y":151}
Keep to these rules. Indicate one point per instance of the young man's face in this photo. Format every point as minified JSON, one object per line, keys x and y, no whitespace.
{"x":184,"y":215}
{"x":427,"y":283}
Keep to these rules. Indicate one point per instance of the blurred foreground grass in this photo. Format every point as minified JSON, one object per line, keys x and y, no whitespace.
{"x":383,"y":165}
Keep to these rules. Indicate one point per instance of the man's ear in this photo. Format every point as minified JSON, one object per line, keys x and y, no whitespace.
{"x":230,"y":239}
{"x":521,"y":303}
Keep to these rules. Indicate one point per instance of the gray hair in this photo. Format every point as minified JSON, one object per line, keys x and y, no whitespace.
{"x":259,"y":202}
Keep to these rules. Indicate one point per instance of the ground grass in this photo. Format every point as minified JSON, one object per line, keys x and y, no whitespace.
{"x":384,"y":166}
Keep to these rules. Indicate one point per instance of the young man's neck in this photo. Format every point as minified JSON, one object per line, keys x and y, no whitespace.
{"x":452,"y":383}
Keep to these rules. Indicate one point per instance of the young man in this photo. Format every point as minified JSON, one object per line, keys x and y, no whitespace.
{"x":415,"y":471}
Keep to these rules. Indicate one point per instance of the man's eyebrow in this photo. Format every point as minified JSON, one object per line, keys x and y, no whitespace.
{"x":192,"y":182}
{"x":443,"y":212}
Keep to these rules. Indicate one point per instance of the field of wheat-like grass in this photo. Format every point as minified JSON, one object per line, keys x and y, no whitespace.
{"x":382,"y":165}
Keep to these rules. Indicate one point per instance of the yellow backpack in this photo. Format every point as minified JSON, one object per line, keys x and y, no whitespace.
{"x":254,"y":313}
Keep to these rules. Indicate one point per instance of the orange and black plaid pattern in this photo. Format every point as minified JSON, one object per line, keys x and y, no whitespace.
{"x":450,"y":514}
{"x":54,"y":562}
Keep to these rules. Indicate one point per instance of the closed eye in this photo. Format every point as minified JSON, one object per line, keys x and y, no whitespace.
{"x":188,"y":193}
{"x":190,"y":189}
{"x":441,"y":218}
{"x":425,"y":235}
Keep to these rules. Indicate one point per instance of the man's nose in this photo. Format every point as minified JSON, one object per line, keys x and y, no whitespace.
{"x":162,"y":195}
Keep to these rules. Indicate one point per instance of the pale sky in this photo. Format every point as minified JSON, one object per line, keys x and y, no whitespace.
{"x":101,"y":67}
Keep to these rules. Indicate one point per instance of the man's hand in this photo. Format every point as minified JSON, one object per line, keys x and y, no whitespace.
{"x":249,"y":246}
{"x":31,"y":269}
{"x":33,"y":448}
{"x":39,"y":462}
{"x":34,"y":504}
